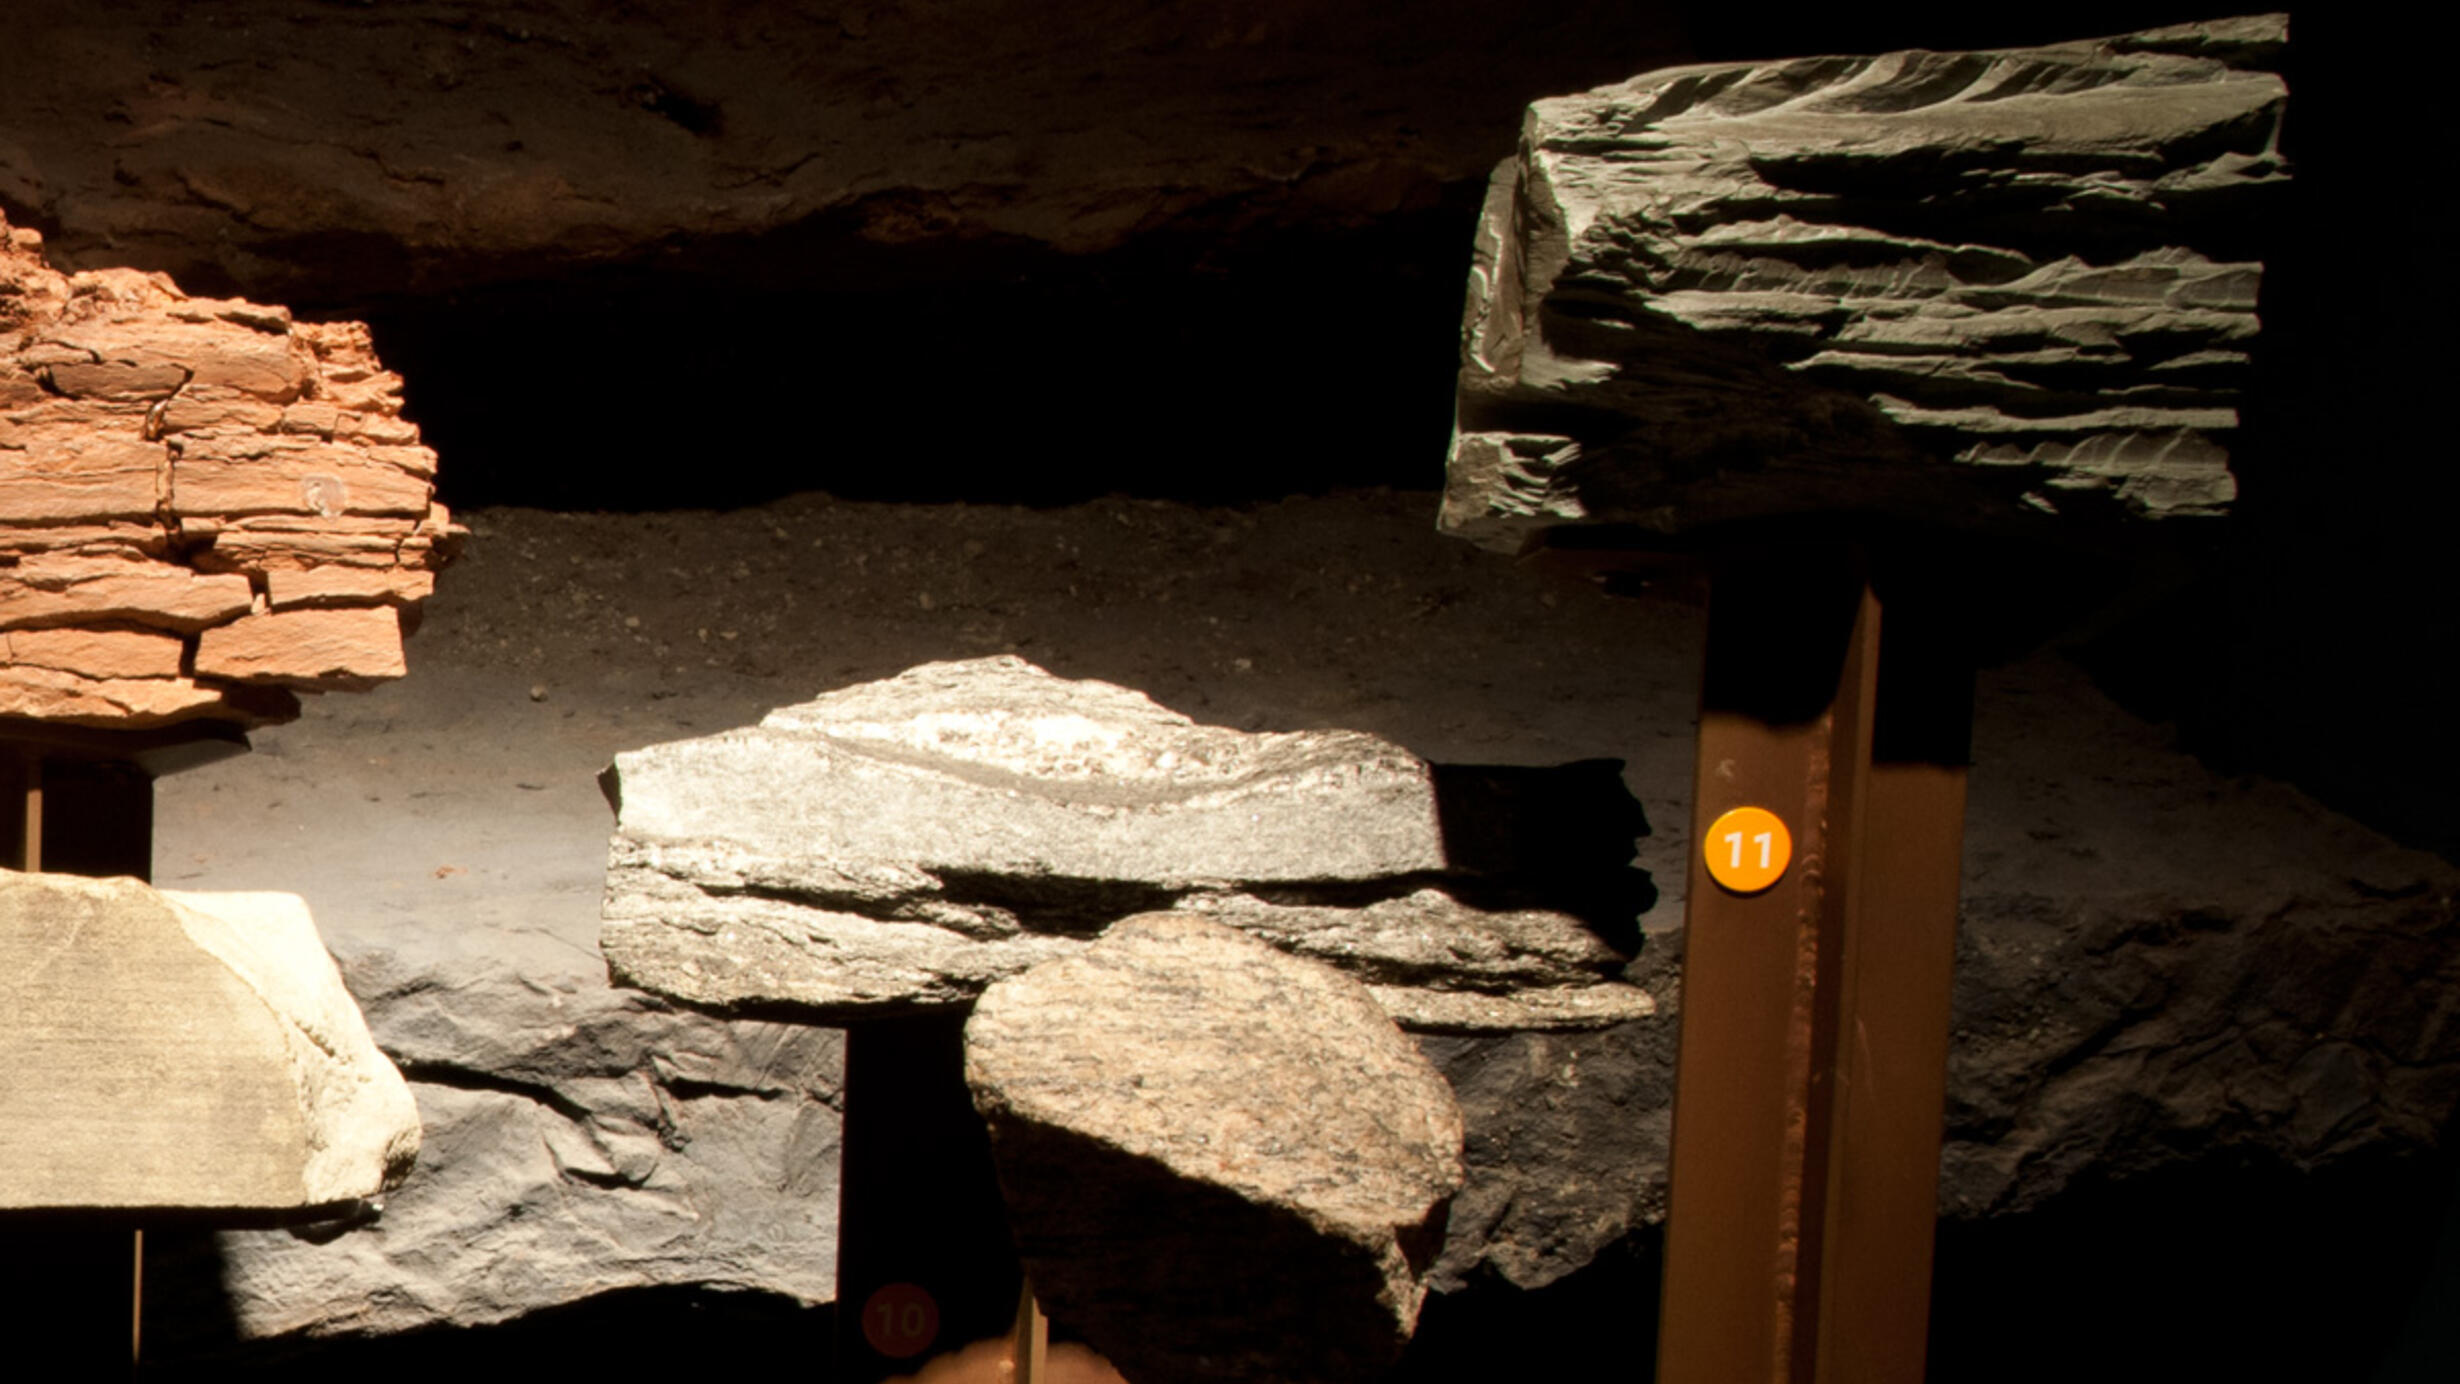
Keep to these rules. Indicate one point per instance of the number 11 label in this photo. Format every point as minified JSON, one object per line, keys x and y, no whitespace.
{"x":1747,"y":849}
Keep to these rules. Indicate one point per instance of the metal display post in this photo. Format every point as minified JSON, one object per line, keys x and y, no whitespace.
{"x":1811,"y":1075}
{"x":924,"y":1262}
{"x":82,"y":802}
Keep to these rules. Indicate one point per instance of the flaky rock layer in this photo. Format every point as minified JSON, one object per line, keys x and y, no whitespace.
{"x":205,"y":505}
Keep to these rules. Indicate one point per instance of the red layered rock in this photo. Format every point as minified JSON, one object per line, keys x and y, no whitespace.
{"x":204,"y":505}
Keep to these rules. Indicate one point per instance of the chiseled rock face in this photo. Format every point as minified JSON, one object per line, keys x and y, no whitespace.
{"x":582,"y":1140}
{"x":1221,"y":1162}
{"x":905,"y":843}
{"x":167,"y":1050}
{"x":1962,"y":287}
{"x":204,"y":505}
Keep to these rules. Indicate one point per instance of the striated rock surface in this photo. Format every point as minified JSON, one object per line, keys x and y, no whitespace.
{"x":905,"y":843}
{"x":1221,"y":1162}
{"x":205,"y":505}
{"x":184,"y":1050}
{"x":1961,"y":287}
{"x":581,"y":1141}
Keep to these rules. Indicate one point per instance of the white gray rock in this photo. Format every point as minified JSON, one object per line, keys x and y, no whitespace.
{"x":184,"y":1050}
{"x":907,"y":842}
{"x":1221,"y":1162}
{"x":1961,"y":287}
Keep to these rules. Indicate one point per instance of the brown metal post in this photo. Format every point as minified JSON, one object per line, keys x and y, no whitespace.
{"x":1784,"y":722}
{"x":79,"y":1291}
{"x":1030,"y":1355}
{"x":82,"y":802}
{"x":924,"y":1261}
{"x":1814,"y":1012}
{"x":1898,"y":974}
{"x":21,"y":810}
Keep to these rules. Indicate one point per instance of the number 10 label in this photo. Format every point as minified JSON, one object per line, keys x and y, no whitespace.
{"x":1747,"y":849}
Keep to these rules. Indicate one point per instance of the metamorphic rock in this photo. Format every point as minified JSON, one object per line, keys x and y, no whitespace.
{"x":1971,"y":289}
{"x":1222,"y":1162}
{"x":905,"y":843}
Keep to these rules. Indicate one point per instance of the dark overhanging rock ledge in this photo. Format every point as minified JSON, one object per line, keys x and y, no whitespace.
{"x":326,"y":153}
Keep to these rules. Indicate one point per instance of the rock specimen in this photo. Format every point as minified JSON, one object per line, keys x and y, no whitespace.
{"x":904,"y":843}
{"x":186,"y":1051}
{"x":2223,"y":894}
{"x":1964,"y":287}
{"x":581,"y":1141}
{"x":205,"y":505}
{"x":1221,"y":1162}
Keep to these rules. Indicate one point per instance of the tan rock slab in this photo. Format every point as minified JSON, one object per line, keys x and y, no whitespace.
{"x":347,"y":586}
{"x":94,"y":653}
{"x":305,"y":648}
{"x":80,"y":479}
{"x":172,"y":1050}
{"x":53,"y":694}
{"x":251,"y":473}
{"x":156,"y":594}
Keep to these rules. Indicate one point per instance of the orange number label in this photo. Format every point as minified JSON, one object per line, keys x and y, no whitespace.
{"x":901,"y":1321}
{"x":1747,"y":849}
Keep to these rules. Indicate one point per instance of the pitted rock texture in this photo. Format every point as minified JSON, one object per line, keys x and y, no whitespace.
{"x":337,"y":152}
{"x":1221,"y":1162}
{"x":904,"y":843}
{"x":1972,"y":288}
{"x":205,"y":505}
{"x":169,"y":1050}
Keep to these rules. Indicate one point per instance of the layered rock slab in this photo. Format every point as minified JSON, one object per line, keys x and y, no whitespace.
{"x":1969,"y":288}
{"x":905,"y":843}
{"x":206,"y":505}
{"x":184,"y":1050}
{"x":582,"y":1141}
{"x":1221,"y":1162}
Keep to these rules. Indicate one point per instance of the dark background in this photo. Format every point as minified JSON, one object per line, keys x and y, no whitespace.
{"x":2310,"y":637}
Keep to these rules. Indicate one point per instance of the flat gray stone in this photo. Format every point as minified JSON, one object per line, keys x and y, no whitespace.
{"x":1221,"y":1162}
{"x":1968,"y":288}
{"x":905,"y":843}
{"x":184,"y":1051}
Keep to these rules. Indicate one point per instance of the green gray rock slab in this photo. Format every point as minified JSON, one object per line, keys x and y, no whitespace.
{"x":1974,"y":289}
